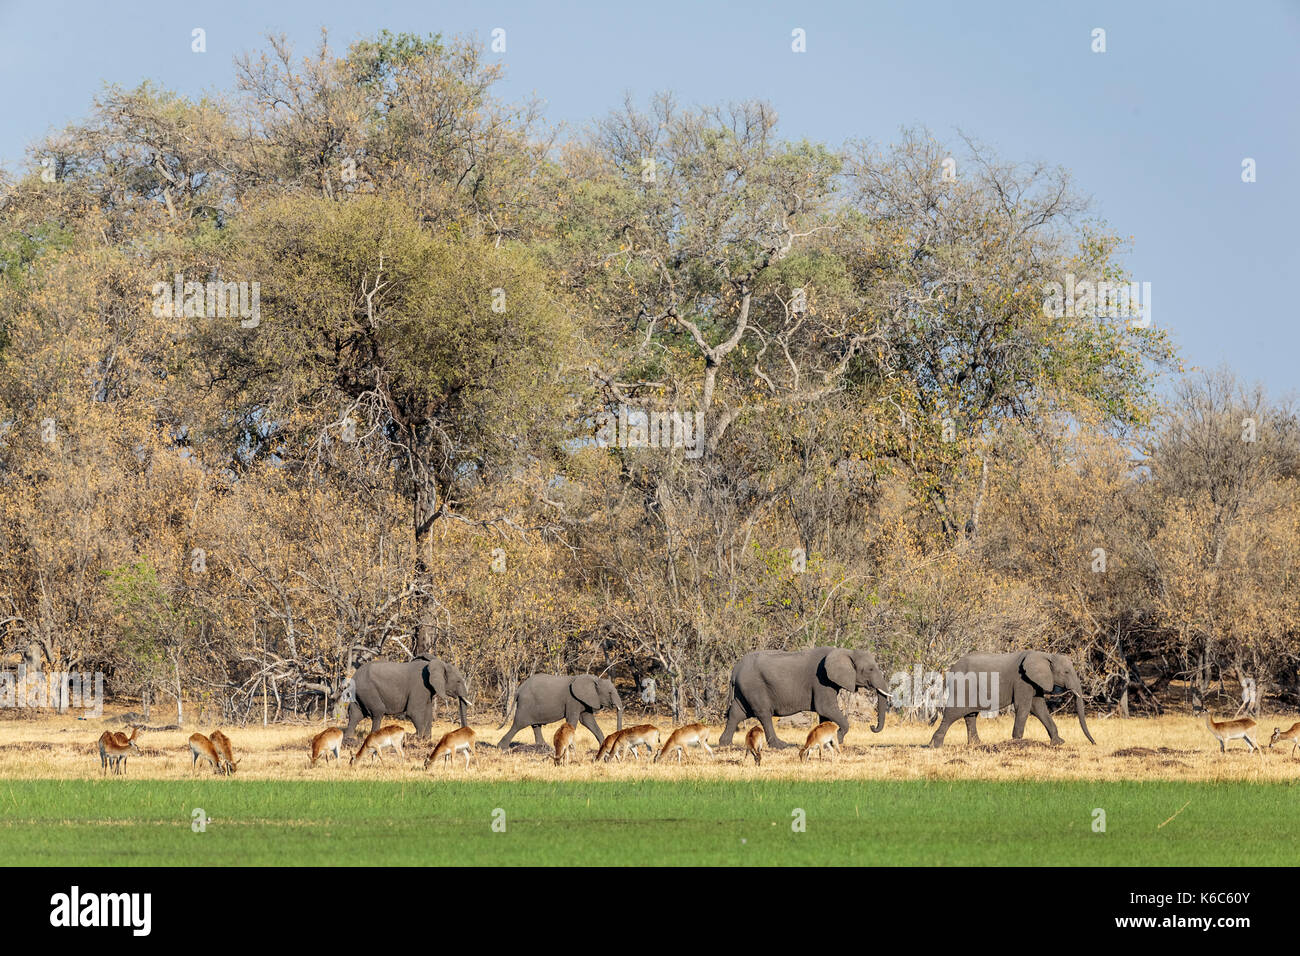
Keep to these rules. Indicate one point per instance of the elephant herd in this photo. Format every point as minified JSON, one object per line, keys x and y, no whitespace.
{"x":764,"y":685}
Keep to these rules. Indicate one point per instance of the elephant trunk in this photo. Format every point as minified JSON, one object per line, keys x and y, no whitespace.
{"x":1078,"y":703}
{"x":882,"y":705}
{"x":620,"y":719}
{"x":462,"y":702}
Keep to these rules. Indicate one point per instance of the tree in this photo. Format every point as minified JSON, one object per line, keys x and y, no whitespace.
{"x":443,"y":358}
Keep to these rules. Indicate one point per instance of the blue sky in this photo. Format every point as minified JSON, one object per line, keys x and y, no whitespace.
{"x":1154,"y":130}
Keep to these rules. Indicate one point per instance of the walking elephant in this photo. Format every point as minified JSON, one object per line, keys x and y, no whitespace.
{"x":767,"y":684}
{"x":546,"y":698}
{"x":387,"y":688}
{"x":984,"y":682}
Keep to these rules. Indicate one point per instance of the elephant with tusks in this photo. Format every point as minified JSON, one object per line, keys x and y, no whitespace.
{"x":983,"y":683}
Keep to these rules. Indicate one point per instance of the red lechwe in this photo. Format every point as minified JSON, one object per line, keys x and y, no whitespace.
{"x":455,"y":742}
{"x":113,"y":748}
{"x":390,"y":735}
{"x":328,"y":741}
{"x":564,"y":743}
{"x":1227,"y":730}
{"x":609,"y":746}
{"x":692,"y":735}
{"x":822,"y":737}
{"x":642,"y":735}
{"x":202,"y":748}
{"x":1292,"y":735}
{"x":225,"y":752}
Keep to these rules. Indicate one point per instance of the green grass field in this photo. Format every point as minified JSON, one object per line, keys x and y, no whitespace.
{"x":148,"y":822}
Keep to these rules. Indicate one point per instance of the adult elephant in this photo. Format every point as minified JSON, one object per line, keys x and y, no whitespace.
{"x":767,"y":684}
{"x":546,"y":698}
{"x":984,"y":682}
{"x":389,"y":689}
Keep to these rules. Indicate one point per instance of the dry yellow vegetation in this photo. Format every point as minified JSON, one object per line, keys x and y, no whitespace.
{"x":1166,"y":748}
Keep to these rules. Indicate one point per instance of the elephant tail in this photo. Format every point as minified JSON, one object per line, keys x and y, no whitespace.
{"x":514,"y":706}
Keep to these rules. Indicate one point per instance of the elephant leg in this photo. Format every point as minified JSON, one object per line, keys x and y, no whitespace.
{"x":589,"y":721}
{"x":949,"y":717}
{"x":354,"y":717}
{"x":843,"y":721}
{"x":735,"y":714}
{"x":972,"y":733}
{"x":1023,"y":703}
{"x":537,"y":735}
{"x":1040,"y":711}
{"x":510,"y":734}
{"x":773,"y":741}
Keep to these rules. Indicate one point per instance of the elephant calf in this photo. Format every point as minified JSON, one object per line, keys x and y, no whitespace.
{"x":546,"y":698}
{"x":389,"y":689}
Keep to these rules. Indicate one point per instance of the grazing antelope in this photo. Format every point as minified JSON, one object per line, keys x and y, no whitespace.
{"x":821,"y":737}
{"x":692,"y":735}
{"x":224,"y":751}
{"x":390,"y":735}
{"x":754,"y":741}
{"x":113,"y":748}
{"x":123,"y":739}
{"x":564,"y":743}
{"x":642,"y":735}
{"x":1226,"y":730}
{"x":325,"y":743}
{"x":608,"y":747}
{"x":120,"y":739}
{"x":202,"y":747}
{"x":455,"y":742}
{"x":1292,"y":735}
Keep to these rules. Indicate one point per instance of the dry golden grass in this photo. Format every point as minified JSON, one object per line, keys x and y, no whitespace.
{"x":1165,"y":748}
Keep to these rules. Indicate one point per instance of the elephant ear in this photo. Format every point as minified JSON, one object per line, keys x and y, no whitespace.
{"x":1037,"y":667}
{"x":840,"y":671}
{"x":435,"y":676}
{"x":584,"y":688}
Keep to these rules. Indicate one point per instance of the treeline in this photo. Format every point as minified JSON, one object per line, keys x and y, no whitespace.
{"x":324,"y":367}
